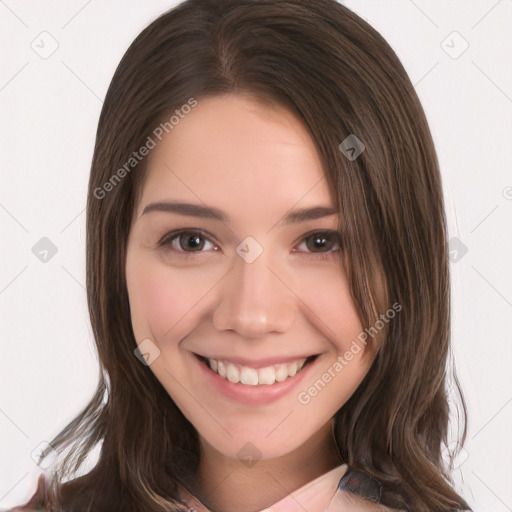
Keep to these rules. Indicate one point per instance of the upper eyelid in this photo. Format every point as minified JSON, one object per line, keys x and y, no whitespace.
{"x":171,"y":235}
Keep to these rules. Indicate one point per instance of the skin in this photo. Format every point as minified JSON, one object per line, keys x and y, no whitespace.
{"x":255,"y":163}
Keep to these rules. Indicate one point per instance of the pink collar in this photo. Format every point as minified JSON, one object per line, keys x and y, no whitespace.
{"x":313,"y":496}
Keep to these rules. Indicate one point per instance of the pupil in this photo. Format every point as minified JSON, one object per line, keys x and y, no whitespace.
{"x":318,"y":242}
{"x":191,"y":241}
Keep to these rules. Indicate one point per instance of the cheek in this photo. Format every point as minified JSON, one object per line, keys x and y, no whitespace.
{"x":160,"y":300}
{"x":160,"y":306}
{"x":332,"y":308}
{"x":334,"y":313}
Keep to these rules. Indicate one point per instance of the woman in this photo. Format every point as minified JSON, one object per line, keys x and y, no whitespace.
{"x":267,"y":274}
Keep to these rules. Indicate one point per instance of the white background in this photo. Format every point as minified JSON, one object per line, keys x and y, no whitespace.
{"x":49,"y":110}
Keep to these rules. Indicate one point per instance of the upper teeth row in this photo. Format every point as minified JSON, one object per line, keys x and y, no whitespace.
{"x":252,"y":376}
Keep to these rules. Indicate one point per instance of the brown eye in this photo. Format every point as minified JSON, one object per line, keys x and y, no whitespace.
{"x":187,"y":241}
{"x":322,"y":242}
{"x":191,"y":242}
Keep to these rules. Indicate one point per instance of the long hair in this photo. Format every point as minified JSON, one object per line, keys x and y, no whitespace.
{"x":341,"y":79}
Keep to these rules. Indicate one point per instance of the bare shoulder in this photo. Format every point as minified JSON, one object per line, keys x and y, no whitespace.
{"x":37,"y":503}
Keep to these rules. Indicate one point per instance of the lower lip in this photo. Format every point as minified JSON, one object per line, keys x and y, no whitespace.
{"x":254,"y":395}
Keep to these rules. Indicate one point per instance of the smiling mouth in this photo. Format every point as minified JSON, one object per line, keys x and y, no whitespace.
{"x":248,"y":376}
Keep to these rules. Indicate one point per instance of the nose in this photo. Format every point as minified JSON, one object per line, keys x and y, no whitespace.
{"x":255,"y":300}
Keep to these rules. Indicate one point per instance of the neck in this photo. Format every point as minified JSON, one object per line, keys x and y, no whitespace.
{"x":232,"y":485}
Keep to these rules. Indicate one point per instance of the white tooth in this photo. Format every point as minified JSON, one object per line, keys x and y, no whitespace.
{"x":249,"y":376}
{"x":266,"y":375}
{"x":281,"y":373}
{"x":292,"y":369}
{"x":252,"y":376}
{"x":232,"y":373}
{"x":221,"y":369}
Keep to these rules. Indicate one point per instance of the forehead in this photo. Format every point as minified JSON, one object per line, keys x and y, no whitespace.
{"x":236,"y":152}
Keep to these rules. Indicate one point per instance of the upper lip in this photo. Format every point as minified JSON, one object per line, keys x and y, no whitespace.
{"x":258,"y":363}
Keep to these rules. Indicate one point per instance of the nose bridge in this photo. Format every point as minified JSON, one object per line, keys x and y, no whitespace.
{"x":254,"y":300}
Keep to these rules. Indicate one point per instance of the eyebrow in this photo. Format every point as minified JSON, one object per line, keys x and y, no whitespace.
{"x":208,"y":212}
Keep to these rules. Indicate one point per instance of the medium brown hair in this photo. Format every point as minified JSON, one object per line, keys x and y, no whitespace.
{"x":339,"y":77}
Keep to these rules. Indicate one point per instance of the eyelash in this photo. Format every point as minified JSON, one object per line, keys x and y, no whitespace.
{"x":166,"y":241}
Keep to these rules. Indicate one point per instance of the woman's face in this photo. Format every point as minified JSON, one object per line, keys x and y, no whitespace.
{"x":234,"y":271}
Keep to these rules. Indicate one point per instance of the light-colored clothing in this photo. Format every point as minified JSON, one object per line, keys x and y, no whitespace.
{"x":338,"y":490}
{"x":330,"y":492}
